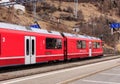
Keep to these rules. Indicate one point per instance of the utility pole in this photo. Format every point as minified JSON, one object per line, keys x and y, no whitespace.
{"x":34,"y":10}
{"x":76,"y":8}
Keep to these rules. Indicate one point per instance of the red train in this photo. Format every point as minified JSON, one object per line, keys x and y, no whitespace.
{"x":21,"y":45}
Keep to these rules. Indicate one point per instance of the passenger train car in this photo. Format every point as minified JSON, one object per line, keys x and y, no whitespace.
{"x":21,"y":45}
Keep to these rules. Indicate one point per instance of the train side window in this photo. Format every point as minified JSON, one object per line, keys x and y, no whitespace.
{"x":96,"y":45}
{"x":58,"y":43}
{"x":53,"y":43}
{"x":81,"y":44}
{"x":27,"y":46}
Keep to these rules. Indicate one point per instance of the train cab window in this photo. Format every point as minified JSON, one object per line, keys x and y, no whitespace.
{"x":53,"y":43}
{"x":96,"y":45}
{"x":27,"y":46}
{"x":102,"y":44}
{"x":81,"y":44}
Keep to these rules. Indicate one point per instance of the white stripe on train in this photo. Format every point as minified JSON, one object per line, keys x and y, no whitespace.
{"x":55,"y":55}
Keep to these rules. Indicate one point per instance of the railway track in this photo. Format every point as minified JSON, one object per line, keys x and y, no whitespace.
{"x":21,"y":71}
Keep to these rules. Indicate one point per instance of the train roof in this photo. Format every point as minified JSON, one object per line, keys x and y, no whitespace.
{"x":31,"y":29}
{"x":80,"y":36}
{"x":24,"y":28}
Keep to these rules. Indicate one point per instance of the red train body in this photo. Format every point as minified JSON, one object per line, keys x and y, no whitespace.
{"x":20,"y":45}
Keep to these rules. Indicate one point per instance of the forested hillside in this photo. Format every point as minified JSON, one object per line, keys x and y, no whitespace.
{"x":94,"y":17}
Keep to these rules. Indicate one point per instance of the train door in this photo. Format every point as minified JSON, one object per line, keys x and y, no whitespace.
{"x":30,"y":50}
{"x":90,"y":49}
{"x":0,"y":44}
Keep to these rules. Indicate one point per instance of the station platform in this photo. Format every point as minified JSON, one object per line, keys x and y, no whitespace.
{"x":111,"y":76}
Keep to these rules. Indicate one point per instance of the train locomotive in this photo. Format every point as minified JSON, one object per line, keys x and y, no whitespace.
{"x":20,"y":45}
